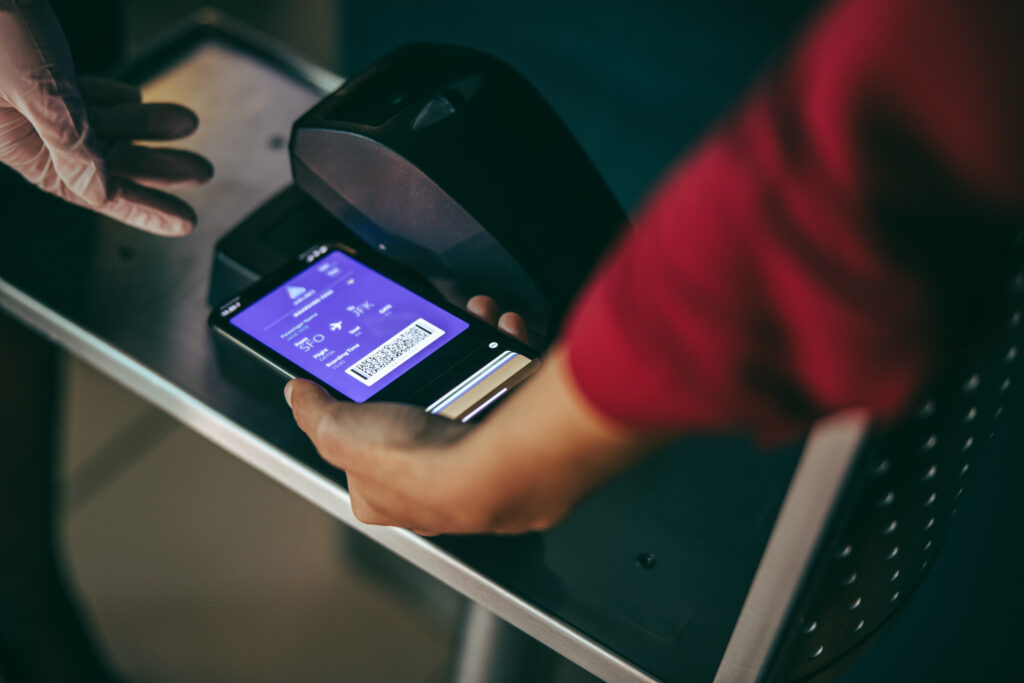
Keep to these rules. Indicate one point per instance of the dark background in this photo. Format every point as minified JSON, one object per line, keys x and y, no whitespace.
{"x":639,"y":83}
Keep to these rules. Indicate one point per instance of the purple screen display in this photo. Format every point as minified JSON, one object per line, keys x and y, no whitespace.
{"x":348,"y":325}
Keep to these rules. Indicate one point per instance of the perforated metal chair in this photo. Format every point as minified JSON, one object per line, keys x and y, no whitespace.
{"x":865,"y":515}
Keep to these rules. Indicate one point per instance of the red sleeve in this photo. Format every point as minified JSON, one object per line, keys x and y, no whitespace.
{"x":798,"y":262}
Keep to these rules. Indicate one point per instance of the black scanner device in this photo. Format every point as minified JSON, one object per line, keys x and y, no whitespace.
{"x":449,"y":162}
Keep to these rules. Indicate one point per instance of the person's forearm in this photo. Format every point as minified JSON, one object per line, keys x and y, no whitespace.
{"x":543,"y":450}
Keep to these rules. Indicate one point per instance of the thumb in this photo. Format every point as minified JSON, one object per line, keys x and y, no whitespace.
{"x":365,"y":437}
{"x":344,"y":434}
{"x":310,"y":405}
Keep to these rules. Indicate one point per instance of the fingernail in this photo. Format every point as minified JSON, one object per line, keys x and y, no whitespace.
{"x":288,"y":394}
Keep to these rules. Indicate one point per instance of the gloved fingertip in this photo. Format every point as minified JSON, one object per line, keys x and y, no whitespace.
{"x":165,"y":122}
{"x":166,"y":226}
{"x":182,"y":230}
{"x":207,"y":171}
{"x":186,"y":123}
{"x":186,"y":223}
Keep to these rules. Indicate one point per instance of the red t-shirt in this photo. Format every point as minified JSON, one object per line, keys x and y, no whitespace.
{"x":804,"y":258}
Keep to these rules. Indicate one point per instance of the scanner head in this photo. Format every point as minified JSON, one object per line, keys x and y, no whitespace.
{"x":451,"y":163}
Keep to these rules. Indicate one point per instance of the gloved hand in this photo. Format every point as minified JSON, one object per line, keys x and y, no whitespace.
{"x":72,"y":138}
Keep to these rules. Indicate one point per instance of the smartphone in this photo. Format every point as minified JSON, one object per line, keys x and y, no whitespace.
{"x":366,"y":330}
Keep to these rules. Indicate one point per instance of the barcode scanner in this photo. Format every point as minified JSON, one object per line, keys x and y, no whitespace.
{"x":449,"y":162}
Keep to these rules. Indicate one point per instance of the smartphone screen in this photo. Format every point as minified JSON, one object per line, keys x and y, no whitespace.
{"x":345,"y":319}
{"x":348,"y":325}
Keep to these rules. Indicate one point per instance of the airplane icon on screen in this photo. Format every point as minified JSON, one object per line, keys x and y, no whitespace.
{"x":336,"y":327}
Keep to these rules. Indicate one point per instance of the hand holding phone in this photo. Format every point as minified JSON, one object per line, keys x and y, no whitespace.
{"x":521,"y":470}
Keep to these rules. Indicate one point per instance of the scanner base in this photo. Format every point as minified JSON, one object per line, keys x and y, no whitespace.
{"x":269,"y":238}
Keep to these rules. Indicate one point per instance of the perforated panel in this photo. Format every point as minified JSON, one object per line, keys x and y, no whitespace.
{"x":905,"y":503}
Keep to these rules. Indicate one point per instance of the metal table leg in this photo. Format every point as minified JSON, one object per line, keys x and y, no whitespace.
{"x":492,"y":651}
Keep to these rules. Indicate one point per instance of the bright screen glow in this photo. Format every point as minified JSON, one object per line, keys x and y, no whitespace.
{"x":348,"y":325}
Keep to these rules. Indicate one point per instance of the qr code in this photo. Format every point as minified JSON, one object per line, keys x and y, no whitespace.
{"x":392,"y":352}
